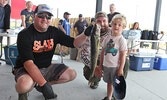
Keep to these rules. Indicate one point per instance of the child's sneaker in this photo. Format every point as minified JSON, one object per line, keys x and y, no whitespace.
{"x":113,"y":98}
{"x":22,"y":96}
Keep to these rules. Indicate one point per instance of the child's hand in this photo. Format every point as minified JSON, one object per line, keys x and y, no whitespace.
{"x":120,"y":72}
{"x":98,"y":72}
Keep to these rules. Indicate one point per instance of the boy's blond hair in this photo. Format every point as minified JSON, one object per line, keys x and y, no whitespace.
{"x":121,"y":17}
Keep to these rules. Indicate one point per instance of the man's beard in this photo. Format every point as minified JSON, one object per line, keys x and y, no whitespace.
{"x":104,"y":30}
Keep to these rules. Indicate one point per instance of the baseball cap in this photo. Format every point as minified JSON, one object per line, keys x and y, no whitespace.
{"x":100,"y":14}
{"x":80,"y":15}
{"x":67,"y":13}
{"x":41,"y":8}
{"x":119,"y":85}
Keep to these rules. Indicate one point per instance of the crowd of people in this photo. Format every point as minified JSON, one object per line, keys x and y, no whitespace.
{"x":36,"y":45}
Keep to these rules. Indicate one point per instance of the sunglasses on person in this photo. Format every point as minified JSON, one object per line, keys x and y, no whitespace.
{"x":43,"y":16}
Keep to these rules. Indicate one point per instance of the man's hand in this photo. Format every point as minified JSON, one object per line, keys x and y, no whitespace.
{"x":88,"y":30}
{"x":47,"y":91}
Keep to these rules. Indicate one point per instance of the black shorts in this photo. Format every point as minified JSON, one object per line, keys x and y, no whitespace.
{"x":52,"y":73}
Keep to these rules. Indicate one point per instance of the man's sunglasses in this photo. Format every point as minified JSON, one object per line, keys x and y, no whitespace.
{"x":43,"y":15}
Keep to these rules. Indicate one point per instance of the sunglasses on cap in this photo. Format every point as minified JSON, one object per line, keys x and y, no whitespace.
{"x":43,"y":16}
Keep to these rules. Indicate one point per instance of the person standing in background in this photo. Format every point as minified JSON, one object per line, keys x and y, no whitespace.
{"x":66,"y":23}
{"x":81,"y":25}
{"x":60,"y":25}
{"x":161,"y":36}
{"x":5,"y":11}
{"x":65,"y":27}
{"x":27,"y":15}
{"x":61,"y":48}
{"x":112,"y":13}
{"x":133,"y":35}
{"x":135,"y":26}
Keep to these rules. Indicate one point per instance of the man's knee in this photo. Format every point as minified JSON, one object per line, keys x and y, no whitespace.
{"x":24,"y":84}
{"x":70,"y":74}
{"x":73,"y":74}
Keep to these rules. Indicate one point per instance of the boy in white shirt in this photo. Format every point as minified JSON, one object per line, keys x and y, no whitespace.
{"x":113,"y":54}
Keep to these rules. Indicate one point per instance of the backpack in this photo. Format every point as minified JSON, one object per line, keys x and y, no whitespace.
{"x":150,"y":36}
{"x":155,"y":35}
{"x":144,"y":35}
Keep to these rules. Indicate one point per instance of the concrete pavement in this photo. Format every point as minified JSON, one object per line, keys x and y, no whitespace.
{"x":141,"y":85}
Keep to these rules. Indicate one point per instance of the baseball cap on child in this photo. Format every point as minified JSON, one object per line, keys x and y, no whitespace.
{"x":119,"y":85}
{"x":43,"y":8}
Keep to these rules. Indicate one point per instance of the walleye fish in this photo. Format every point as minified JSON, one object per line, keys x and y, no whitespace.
{"x":95,"y":46}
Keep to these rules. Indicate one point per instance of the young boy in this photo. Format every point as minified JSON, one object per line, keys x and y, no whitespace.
{"x":113,"y":54}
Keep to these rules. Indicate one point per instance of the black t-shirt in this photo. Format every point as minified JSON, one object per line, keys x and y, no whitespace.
{"x":110,"y":16}
{"x":40,"y":46}
{"x":80,"y":26}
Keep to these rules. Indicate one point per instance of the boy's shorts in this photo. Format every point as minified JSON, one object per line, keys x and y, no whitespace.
{"x":51,"y":73}
{"x":109,"y":74}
